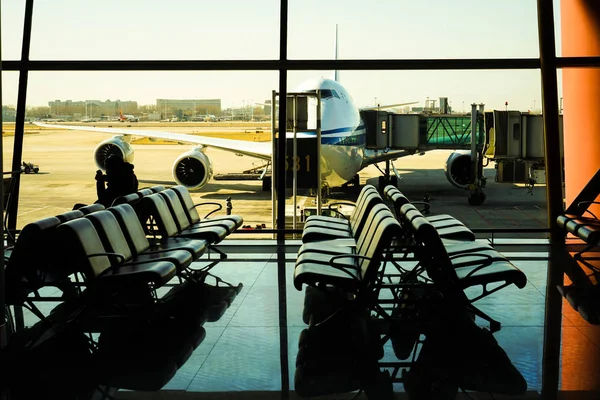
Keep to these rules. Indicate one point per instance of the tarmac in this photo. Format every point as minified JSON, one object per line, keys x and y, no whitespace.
{"x":66,"y":177}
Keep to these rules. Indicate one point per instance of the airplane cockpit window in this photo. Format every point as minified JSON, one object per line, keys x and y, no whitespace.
{"x":326,"y":93}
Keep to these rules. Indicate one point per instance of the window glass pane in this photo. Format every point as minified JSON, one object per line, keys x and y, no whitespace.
{"x":405,"y":30}
{"x":434,"y":122}
{"x":228,"y":105}
{"x":10,"y":82}
{"x":11,"y":15}
{"x":140,"y":30}
{"x":520,"y":88}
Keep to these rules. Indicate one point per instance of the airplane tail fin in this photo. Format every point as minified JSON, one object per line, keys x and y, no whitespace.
{"x":336,"y":73}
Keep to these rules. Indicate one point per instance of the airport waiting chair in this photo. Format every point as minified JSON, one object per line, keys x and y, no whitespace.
{"x":157,"y":188}
{"x":91,"y":208}
{"x":486,"y":268}
{"x":31,"y":264}
{"x":440,"y":313}
{"x":217,"y":297}
{"x":408,"y":212}
{"x":344,"y":245}
{"x":214,"y":300}
{"x":82,"y":251}
{"x":582,"y":227}
{"x":70,"y":215}
{"x":447,"y":226}
{"x":352,"y":272}
{"x":192,"y":212}
{"x":155,"y":212}
{"x":183,"y":220}
{"x":321,"y":230}
{"x":130,"y":199}
{"x":340,"y":219}
{"x":145,"y":192}
{"x":114,"y":241}
{"x":157,"y":207}
{"x":323,"y":252}
{"x":581,"y":222}
{"x":338,"y":353}
{"x":139,"y":243}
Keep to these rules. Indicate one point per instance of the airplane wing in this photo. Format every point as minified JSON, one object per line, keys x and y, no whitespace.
{"x":260,"y":150}
{"x":388,"y":106}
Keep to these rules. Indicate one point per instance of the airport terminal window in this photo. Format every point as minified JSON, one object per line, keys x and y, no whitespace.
{"x":12,"y":18}
{"x":369,"y":88}
{"x":458,"y":88}
{"x":227,"y":106}
{"x":133,"y":30}
{"x":414,"y":30}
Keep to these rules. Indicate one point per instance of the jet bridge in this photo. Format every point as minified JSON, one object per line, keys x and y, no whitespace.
{"x":512,"y":139}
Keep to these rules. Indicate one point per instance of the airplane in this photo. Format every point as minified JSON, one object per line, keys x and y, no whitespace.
{"x":127,"y":117}
{"x":343,"y":142}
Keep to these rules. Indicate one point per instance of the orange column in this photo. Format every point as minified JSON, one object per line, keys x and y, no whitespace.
{"x":580,"y":33}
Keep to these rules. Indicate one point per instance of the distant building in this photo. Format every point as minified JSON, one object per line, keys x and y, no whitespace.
{"x":9,"y":114}
{"x":92,"y":108}
{"x":155,"y":116}
{"x":188,"y":108}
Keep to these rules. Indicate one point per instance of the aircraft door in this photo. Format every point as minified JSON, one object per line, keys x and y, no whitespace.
{"x":377,"y":129}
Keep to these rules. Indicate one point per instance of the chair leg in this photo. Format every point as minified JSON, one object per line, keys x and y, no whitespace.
{"x":579,"y":255}
{"x":494,"y":325}
{"x":222,"y":255}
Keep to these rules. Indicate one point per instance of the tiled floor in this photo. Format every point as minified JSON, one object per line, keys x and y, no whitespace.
{"x":241,"y":351}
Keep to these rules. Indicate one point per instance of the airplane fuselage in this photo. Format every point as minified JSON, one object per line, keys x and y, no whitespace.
{"x":343,"y":134}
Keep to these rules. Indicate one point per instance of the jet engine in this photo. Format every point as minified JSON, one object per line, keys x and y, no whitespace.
{"x":115,"y":145}
{"x":193,"y":169}
{"x":458,"y":169}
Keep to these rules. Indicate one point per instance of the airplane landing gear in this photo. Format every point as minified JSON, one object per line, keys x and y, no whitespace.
{"x":354,"y":182}
{"x":266,"y":184}
{"x":387,"y":180}
{"x":477,"y":197}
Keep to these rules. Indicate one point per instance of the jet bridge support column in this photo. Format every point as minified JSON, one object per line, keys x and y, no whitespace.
{"x":476,"y":194}
{"x":580,"y":21}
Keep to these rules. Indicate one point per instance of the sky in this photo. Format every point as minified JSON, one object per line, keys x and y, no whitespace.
{"x":236,"y":29}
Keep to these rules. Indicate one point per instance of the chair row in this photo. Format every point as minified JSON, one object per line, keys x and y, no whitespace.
{"x":110,"y":273}
{"x":344,"y":306}
{"x":581,"y":222}
{"x":170,"y":214}
{"x":447,"y":226}
{"x":319,"y":228}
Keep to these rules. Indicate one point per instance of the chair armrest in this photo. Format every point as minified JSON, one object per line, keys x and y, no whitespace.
{"x":585,"y":209}
{"x":487,"y":256}
{"x":343,"y":268}
{"x":425,"y":209}
{"x":120,"y":258}
{"x":219,"y":207}
{"x":340,"y":203}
